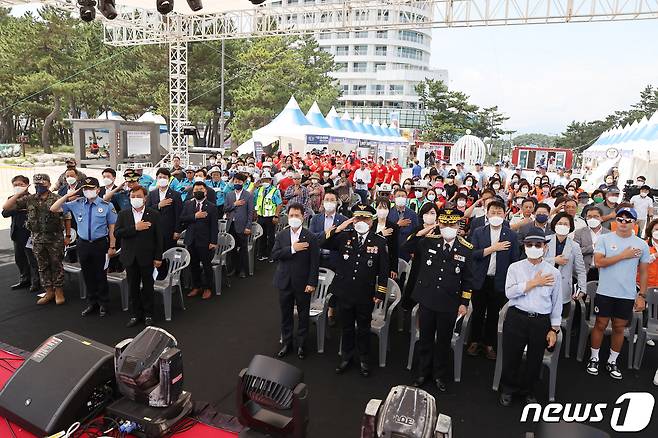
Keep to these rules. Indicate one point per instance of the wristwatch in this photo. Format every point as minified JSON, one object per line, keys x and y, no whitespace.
{"x":556,"y":331}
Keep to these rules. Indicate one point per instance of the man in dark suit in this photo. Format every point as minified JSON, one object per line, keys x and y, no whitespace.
{"x":322,"y":222}
{"x":140,"y":233}
{"x":28,"y":270}
{"x":298,"y":255}
{"x":170,"y":205}
{"x":200,"y":217}
{"x":495,"y":247}
{"x":361,"y":281}
{"x":239,"y":208}
{"x":443,"y":290}
{"x":405,"y":218}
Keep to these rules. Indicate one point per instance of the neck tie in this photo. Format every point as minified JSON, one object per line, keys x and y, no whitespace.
{"x":199,"y":206}
{"x":446,"y":248}
{"x":89,"y":221}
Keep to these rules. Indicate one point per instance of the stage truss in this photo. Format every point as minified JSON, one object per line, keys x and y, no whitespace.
{"x":135,"y":27}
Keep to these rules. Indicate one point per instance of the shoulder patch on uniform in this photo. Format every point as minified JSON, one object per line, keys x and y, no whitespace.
{"x":465,"y":242}
{"x":114,"y":210}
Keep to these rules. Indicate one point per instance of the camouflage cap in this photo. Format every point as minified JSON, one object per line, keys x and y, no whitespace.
{"x":40,"y":178}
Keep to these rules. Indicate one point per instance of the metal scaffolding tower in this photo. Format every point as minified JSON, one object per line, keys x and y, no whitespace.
{"x":136,"y":26}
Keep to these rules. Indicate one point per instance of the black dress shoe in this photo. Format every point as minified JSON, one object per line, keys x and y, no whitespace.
{"x":243,"y":275}
{"x":301,"y":353}
{"x":20,"y":285}
{"x":284,"y":351}
{"x":148,"y":320}
{"x":133,"y":322}
{"x":364,"y":369}
{"x":342,"y":366}
{"x":103,"y":311}
{"x":420,"y":381}
{"x":505,"y":399}
{"x":91,"y":309}
{"x":440,"y":385}
{"x":530,"y":398}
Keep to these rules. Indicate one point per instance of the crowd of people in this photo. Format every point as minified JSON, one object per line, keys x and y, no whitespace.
{"x":527,"y":239}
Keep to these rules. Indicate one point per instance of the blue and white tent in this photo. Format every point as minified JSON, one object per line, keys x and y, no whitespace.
{"x":633,"y":148}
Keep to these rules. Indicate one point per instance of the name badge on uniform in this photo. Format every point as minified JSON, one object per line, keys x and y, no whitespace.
{"x":431,"y":251}
{"x":460,"y":258}
{"x":372,"y":249}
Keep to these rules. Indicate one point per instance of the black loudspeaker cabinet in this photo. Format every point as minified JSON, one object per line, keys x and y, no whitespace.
{"x":67,"y":379}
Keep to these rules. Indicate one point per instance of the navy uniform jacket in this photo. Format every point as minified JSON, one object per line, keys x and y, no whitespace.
{"x":445,"y":280}
{"x":298,"y":270}
{"x":362,"y":271}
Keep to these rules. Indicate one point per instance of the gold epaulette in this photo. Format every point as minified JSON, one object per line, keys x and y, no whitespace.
{"x":465,"y":242}
{"x":381,"y":289}
{"x":466,"y":294}
{"x":410,"y":236}
{"x":328,"y":233}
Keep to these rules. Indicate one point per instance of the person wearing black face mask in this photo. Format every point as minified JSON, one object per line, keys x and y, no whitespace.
{"x":239,"y":208}
{"x":200,"y":216}
{"x":542,"y":214}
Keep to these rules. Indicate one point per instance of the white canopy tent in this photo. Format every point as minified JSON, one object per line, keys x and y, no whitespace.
{"x":632,"y":148}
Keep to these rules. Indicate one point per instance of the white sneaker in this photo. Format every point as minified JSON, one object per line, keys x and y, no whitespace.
{"x":650,"y":343}
{"x":593,"y":367}
{"x":613,"y":370}
{"x":655,"y":378}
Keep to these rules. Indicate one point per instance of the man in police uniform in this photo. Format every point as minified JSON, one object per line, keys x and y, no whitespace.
{"x":95,"y":218}
{"x":120,"y":195}
{"x":443,"y":290}
{"x":361,"y":280}
{"x":47,"y":235}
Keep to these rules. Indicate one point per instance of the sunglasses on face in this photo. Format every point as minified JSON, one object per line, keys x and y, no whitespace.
{"x":625,"y":220}
{"x":536,"y":245}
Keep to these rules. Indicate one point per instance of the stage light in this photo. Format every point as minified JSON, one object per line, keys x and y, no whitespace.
{"x":108,"y":8}
{"x":164,"y":6}
{"x":195,"y":5}
{"x":272,"y":399}
{"x":87,"y":10}
{"x":257,"y":2}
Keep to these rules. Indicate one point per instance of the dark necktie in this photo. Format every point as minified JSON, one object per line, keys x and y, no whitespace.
{"x":199,"y":206}
{"x":89,"y":221}
{"x":446,"y":248}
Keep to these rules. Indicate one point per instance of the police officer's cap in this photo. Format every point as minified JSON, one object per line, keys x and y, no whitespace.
{"x":90,"y":183}
{"x":41,"y":178}
{"x":130,"y":175}
{"x":450,"y":216}
{"x":363,"y":210}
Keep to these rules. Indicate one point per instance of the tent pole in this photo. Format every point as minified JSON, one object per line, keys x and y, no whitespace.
{"x":221,"y":114}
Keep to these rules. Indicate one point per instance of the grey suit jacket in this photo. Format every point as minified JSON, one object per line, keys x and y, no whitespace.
{"x":242,"y":215}
{"x":574,"y":267}
{"x":583,"y":237}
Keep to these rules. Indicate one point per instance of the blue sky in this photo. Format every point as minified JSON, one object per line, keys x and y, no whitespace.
{"x":545,"y":76}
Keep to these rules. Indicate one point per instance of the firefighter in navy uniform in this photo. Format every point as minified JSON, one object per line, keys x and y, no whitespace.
{"x":361,"y":281}
{"x":443,"y":291}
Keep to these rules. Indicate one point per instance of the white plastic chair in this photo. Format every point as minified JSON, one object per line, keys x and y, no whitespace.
{"x":651,"y":330}
{"x":225,"y":244}
{"x":550,"y":359}
{"x":567,"y":326}
{"x":320,"y":305}
{"x":178,"y":259}
{"x":222,"y":226}
{"x":457,"y":341}
{"x":588,"y":320}
{"x":381,"y":318}
{"x":256,"y":233}
{"x":404,"y":269}
{"x":74,"y":269}
{"x":283,"y":222}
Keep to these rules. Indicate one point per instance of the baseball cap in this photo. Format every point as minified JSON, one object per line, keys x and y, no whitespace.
{"x":40,"y":178}
{"x":535,"y":235}
{"x":627,"y":211}
{"x":614,"y":190}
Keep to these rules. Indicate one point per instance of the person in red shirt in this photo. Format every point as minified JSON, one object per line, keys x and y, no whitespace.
{"x":394,"y":172}
{"x":381,"y":170}
{"x":286,"y":181}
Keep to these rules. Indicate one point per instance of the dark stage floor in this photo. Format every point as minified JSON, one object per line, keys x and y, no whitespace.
{"x":220,"y":336}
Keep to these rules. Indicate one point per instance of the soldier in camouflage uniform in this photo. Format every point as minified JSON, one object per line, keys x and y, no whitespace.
{"x":47,"y":235}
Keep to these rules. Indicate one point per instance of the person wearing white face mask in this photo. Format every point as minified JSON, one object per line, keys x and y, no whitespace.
{"x":107,"y":183}
{"x":609,"y":206}
{"x":533,"y":319}
{"x":169,"y":204}
{"x":567,"y":257}
{"x":95,"y":219}
{"x":643,"y":205}
{"x":586,"y":238}
{"x":495,"y":247}
{"x":442,"y":290}
{"x":360,"y":283}
{"x":71,"y":184}
{"x":139,"y":230}
{"x":404,"y":217}
{"x":268,"y":205}
{"x":389,"y":230}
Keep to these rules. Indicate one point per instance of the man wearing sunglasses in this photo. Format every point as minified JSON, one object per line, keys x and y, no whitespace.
{"x":534,"y":290}
{"x":619,"y":256}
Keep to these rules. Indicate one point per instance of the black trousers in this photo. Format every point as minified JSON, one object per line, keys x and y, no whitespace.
{"x":22,"y":261}
{"x":241,"y":251}
{"x":140,"y":282}
{"x":287,"y":300}
{"x":520,"y":330}
{"x":359,"y":313}
{"x":593,"y":274}
{"x":434,"y":343}
{"x":201,"y":266}
{"x":92,"y":261}
{"x":487,"y":302}
{"x":266,"y":242}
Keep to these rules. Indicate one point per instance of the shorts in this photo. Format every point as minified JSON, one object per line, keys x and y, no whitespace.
{"x":619,"y":308}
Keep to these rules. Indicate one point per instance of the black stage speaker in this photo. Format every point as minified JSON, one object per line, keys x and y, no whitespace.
{"x":66,"y":379}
